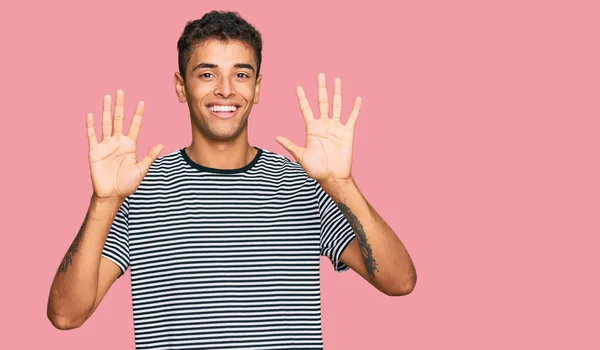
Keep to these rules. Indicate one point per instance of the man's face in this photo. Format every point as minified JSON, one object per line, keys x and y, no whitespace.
{"x":220,"y":88}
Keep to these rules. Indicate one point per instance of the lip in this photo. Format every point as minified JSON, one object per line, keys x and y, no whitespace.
{"x":223,"y":115}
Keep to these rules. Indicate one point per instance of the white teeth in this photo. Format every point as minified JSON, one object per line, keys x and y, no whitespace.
{"x":223,"y":108}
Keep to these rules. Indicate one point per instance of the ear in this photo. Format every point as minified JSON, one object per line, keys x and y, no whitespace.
{"x":180,"y":87}
{"x":257,"y":89}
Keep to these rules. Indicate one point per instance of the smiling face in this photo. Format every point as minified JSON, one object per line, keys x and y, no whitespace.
{"x":220,"y":88}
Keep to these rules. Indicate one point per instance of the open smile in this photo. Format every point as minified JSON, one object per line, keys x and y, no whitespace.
{"x":223,"y":111}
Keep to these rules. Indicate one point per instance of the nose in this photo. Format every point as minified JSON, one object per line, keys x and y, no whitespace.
{"x":224,"y":88}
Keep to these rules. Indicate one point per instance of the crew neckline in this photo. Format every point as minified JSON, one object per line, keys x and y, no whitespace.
{"x":195,"y":165}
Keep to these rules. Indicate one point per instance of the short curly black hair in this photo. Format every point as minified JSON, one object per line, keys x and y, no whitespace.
{"x":221,"y":25}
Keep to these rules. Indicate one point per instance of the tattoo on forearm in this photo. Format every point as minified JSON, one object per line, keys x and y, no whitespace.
{"x":365,"y":248}
{"x":68,"y":259}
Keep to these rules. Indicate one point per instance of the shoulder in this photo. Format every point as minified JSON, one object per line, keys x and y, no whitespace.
{"x":284,"y":172}
{"x":166,"y":163}
{"x":164,"y":169}
{"x":278,"y":163}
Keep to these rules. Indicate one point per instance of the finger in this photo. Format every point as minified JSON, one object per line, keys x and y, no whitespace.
{"x":337,"y":99}
{"x":136,"y":122}
{"x":119,"y":114}
{"x":304,"y":105}
{"x":322,"y":96}
{"x":295,"y":150}
{"x":106,"y":118}
{"x":354,"y":113}
{"x":91,"y":133}
{"x":145,"y":163}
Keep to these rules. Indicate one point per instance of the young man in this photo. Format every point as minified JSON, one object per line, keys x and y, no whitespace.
{"x":223,"y":239}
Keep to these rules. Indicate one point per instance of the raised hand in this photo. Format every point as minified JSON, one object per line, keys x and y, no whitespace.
{"x":327,"y":154}
{"x":115,"y":170}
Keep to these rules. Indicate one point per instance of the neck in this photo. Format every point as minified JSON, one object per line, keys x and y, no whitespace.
{"x":225,"y":155}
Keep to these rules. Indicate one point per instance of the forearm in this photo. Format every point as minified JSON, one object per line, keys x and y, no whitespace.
{"x":75,"y":284}
{"x":387,"y":262}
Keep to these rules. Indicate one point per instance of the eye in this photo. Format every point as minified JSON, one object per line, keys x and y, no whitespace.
{"x":242,"y":75}
{"x":206,"y":75}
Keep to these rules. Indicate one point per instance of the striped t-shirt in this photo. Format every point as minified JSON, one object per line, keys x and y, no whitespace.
{"x":227,"y":259}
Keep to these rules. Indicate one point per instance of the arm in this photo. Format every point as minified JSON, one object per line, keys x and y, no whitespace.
{"x":377,"y":254}
{"x":84,"y":276}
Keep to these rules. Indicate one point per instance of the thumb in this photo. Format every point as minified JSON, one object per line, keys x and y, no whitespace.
{"x":295,"y":150}
{"x":145,"y":163}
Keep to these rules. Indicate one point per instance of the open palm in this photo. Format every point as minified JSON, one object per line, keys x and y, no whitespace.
{"x":327,"y":154}
{"x":115,"y":170}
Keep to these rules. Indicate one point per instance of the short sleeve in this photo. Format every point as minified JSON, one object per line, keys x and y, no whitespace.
{"x":116,"y":246}
{"x":336,"y":231}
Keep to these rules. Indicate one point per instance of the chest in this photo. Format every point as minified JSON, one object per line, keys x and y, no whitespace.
{"x":203,"y":228}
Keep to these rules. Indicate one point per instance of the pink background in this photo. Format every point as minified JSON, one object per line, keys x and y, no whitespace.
{"x":478,"y":141}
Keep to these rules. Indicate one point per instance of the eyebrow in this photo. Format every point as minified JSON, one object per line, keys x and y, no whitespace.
{"x":212,"y":65}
